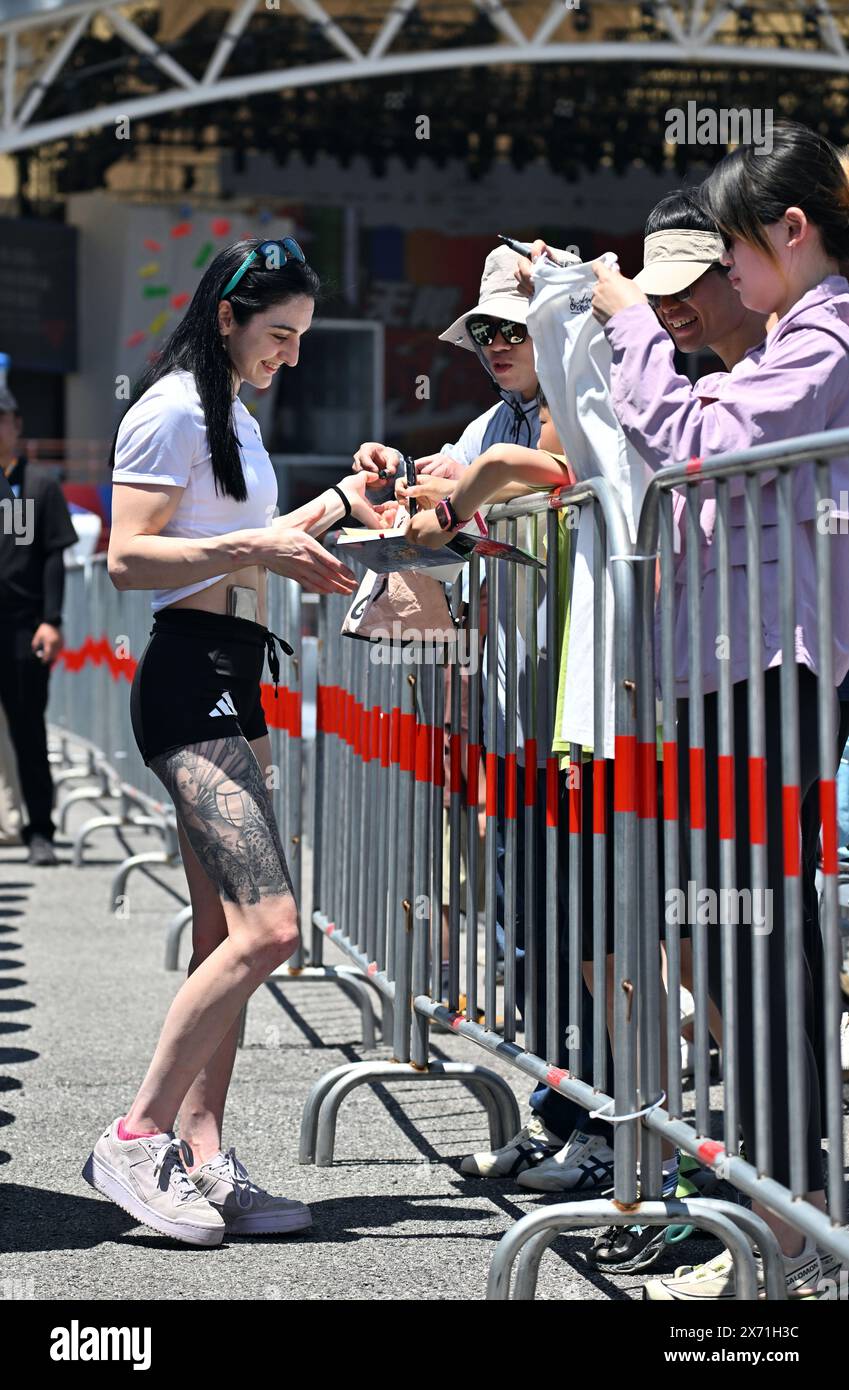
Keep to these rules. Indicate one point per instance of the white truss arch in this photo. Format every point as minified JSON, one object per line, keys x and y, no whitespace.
{"x":40,"y":36}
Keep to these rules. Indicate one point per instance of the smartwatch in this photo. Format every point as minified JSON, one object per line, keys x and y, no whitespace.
{"x":447,"y":516}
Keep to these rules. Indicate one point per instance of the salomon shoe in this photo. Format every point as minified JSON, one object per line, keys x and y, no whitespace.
{"x":715,"y":1280}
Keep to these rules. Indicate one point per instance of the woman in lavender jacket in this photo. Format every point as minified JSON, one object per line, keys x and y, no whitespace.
{"x":784,"y":217}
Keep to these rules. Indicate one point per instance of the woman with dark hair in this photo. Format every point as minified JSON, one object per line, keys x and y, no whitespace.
{"x":784,"y":219}
{"x":193,"y":519}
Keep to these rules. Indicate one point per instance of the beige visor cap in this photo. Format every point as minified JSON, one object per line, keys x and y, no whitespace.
{"x":673,"y":259}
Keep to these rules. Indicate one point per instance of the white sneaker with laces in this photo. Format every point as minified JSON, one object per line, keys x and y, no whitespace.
{"x":247,"y":1210}
{"x":715,"y":1280}
{"x":532,"y":1145}
{"x":585,"y":1161}
{"x":148,"y":1179}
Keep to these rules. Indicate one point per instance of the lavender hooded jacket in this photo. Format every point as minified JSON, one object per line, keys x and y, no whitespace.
{"x":796,"y":382}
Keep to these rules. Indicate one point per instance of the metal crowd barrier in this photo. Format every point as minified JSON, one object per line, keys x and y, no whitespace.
{"x":377,"y":771}
{"x":96,"y":759}
{"x":378,"y":888}
{"x":736,"y":485}
{"x":380,"y":788}
{"x":368,"y":793}
{"x":90,"y":723}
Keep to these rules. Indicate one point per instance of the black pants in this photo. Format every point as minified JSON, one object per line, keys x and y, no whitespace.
{"x":809,"y":771}
{"x":23,"y":694}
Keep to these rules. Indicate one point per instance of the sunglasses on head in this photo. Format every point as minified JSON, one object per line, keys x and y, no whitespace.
{"x":482,"y":331}
{"x":271,"y":251}
{"x":687,"y":292}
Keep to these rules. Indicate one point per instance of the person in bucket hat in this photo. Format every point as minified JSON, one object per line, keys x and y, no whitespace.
{"x":496,"y":330}
{"x":499,"y":297}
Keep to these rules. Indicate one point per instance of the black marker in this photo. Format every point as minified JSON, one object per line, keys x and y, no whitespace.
{"x":408,"y":464}
{"x":523,"y":249}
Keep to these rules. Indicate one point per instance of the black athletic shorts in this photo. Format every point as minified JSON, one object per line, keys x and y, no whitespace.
{"x":198,"y":679}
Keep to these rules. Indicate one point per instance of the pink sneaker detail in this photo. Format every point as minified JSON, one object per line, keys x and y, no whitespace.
{"x":123,"y":1133}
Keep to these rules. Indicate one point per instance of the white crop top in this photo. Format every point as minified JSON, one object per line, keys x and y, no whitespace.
{"x":162,"y":439}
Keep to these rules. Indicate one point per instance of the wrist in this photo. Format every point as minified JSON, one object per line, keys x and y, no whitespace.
{"x":340,"y":503}
{"x":240,"y":549}
{"x":448,"y":517}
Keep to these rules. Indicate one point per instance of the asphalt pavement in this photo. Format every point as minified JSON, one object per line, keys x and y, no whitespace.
{"x":83,"y":993}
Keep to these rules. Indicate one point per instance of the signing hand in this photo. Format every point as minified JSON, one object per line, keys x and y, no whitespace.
{"x":426,"y":530}
{"x":525,"y":268}
{"x":47,"y":643}
{"x":613,"y":292}
{"x":427,"y":491}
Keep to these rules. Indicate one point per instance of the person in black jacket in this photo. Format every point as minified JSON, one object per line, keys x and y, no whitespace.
{"x":35,"y":528}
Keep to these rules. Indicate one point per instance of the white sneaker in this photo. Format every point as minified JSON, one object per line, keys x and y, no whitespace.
{"x":532,"y":1145}
{"x":715,"y":1280}
{"x":148,"y":1179}
{"x":585,"y":1161}
{"x":246,"y":1209}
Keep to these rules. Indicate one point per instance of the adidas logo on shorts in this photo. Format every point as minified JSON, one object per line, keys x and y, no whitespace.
{"x":224,"y":706}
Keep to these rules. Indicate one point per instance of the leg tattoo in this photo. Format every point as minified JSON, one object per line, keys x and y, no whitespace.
{"x":225,"y":808}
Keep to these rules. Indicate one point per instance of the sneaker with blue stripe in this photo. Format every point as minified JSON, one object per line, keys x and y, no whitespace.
{"x":585,"y":1161}
{"x":530,"y":1147}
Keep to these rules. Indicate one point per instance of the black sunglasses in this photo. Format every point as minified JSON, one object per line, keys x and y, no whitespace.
{"x":687,"y":292}
{"x":483,"y":330}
